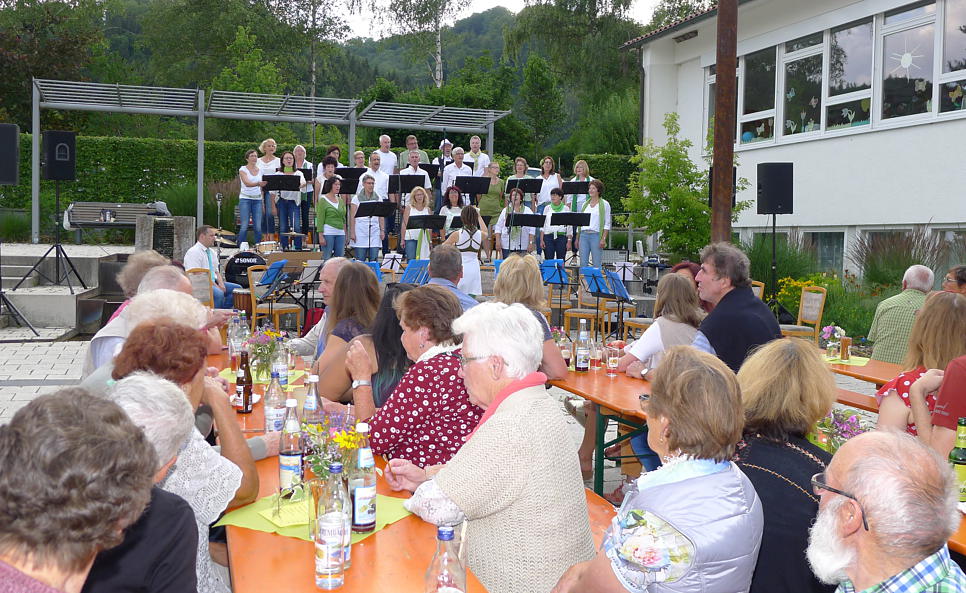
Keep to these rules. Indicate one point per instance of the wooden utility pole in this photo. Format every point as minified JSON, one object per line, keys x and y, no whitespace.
{"x":724,"y":120}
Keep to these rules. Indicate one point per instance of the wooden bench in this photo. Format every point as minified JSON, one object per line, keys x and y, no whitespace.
{"x":87,"y":215}
{"x":857,"y":400}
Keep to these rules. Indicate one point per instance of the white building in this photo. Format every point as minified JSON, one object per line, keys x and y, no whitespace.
{"x":866,"y":98}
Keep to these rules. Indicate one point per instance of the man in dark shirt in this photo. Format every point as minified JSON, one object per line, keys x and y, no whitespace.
{"x":159,"y":550}
{"x":740,"y":321}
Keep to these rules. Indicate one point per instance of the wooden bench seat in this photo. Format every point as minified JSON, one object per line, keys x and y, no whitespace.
{"x":87,"y":215}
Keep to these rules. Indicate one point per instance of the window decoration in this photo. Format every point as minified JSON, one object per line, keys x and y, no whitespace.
{"x":907,"y":72}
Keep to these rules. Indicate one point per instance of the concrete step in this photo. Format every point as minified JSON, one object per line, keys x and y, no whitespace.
{"x":8,"y":282}
{"x":17,"y":270}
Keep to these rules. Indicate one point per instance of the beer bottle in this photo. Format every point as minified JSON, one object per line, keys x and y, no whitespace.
{"x":244,"y":384}
{"x":958,"y":458}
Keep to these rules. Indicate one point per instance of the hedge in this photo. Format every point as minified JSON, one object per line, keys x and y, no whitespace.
{"x":614,"y":170}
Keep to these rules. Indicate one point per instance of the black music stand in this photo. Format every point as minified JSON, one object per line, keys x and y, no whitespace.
{"x":429,"y":222}
{"x":525,"y":220}
{"x":575,"y":187}
{"x":621,"y":296}
{"x":306,"y":282}
{"x":405,"y":184}
{"x":529,"y":185}
{"x":374,"y":209}
{"x":350,"y":172}
{"x":432,"y":170}
{"x":597,"y":288}
{"x":349,"y":187}
{"x":473,"y":185}
{"x":279,"y":182}
{"x":571,"y":219}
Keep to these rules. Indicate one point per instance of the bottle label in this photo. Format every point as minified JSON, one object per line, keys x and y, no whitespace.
{"x":274,"y":419}
{"x":329,"y":544}
{"x":236,"y":400}
{"x":309,"y":405}
{"x":282,"y":369}
{"x":582,"y":359}
{"x":289,"y":468}
{"x":365,"y":458}
{"x":363,"y":506}
{"x":960,"y":469}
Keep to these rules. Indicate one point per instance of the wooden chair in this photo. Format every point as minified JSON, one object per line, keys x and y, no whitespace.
{"x":201,"y":287}
{"x":265,"y":304}
{"x":641,"y":323}
{"x":810,"y":311}
{"x":758,"y":288}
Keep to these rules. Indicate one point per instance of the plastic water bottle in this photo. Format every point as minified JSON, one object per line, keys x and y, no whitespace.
{"x":332,"y":532}
{"x":362,"y":484}
{"x":582,"y":351}
{"x":446,"y":573}
{"x":280,"y":362}
{"x":274,"y":406}
{"x":244,"y":332}
{"x":312,"y":412}
{"x":290,"y":447}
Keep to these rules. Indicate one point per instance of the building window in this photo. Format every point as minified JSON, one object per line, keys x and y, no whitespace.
{"x":806,"y":42}
{"x":910,"y":12}
{"x":907,"y":71}
{"x":954,"y":36}
{"x":759,"y":94}
{"x":829,"y":249}
{"x":803,"y":95}
{"x":850,"y":59}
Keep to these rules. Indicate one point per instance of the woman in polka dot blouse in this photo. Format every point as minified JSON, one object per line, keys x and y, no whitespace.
{"x":938,"y":335}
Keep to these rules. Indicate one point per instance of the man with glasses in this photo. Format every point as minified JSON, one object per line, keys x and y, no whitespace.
{"x":740,"y":321}
{"x":887,"y":506}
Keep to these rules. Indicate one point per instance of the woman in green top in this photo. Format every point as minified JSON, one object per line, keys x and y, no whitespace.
{"x":330,"y":212}
{"x":492,"y":202}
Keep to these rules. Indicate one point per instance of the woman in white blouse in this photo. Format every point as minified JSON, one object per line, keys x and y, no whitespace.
{"x":593,"y":237}
{"x":250,"y":204}
{"x":418,"y":241}
{"x":515,"y":480}
{"x":513,"y":238}
{"x":452,"y":206}
{"x":269,"y":164}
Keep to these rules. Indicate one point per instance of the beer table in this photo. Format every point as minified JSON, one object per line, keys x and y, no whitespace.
{"x":618,"y":398}
{"x":874,"y":371}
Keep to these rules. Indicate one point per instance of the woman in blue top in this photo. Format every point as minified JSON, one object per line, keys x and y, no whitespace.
{"x":695,"y":523}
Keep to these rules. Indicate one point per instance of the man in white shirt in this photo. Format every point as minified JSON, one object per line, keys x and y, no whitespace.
{"x":200,"y":255}
{"x":455,"y":169}
{"x":414,"y":169}
{"x":381,"y":179}
{"x":412,"y":145}
{"x":388,"y":163}
{"x":477,"y":160}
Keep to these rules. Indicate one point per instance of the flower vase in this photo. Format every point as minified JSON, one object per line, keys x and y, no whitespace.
{"x":833,"y":349}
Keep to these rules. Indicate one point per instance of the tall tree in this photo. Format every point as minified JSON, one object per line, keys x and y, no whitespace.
{"x":543,"y":105}
{"x":423,"y":21}
{"x":43,"y":39}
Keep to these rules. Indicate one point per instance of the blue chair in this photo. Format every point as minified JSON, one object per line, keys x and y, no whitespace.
{"x":496,"y":267}
{"x":417,"y":272}
{"x":376,"y":268}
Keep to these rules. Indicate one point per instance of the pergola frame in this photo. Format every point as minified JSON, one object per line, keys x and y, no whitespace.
{"x":119,"y":98}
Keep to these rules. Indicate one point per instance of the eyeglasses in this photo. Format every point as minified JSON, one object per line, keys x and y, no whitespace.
{"x":819,"y":483}
{"x":465,"y":360}
{"x":949,"y":280}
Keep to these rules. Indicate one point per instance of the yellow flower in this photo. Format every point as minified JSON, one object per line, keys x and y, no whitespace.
{"x":346,"y":440}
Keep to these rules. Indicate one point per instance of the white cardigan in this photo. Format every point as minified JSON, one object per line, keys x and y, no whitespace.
{"x":517,"y":480}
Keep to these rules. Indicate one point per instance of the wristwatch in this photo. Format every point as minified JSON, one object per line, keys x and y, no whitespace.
{"x":360,"y":383}
{"x":644,"y":372}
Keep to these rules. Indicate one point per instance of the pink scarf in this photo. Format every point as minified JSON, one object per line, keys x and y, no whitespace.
{"x":531,"y":380}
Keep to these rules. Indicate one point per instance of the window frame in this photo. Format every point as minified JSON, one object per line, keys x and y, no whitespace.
{"x":879,"y":57}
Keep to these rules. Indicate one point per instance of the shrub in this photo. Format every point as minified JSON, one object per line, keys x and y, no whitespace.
{"x":793,"y":257}
{"x":614,"y":171}
{"x":884,"y":257}
{"x":848,"y":303}
{"x":14,"y":225}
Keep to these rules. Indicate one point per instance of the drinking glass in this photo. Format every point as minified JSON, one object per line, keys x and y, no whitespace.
{"x":595,"y":355}
{"x":613,"y":357}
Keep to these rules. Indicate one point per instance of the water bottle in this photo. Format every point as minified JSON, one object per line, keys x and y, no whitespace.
{"x":582,"y":351}
{"x":280,"y":362}
{"x":362,"y":484}
{"x":274,"y":406}
{"x":290,"y":447}
{"x":244,"y":331}
{"x":312,"y":412}
{"x":446,"y":573}
{"x":332,"y":532}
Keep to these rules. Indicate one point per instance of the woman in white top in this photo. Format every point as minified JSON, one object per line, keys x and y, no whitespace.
{"x":445,"y":158}
{"x":359,"y":159}
{"x":452,"y":204}
{"x":289,"y":203}
{"x":513,"y":239}
{"x":335,"y":152}
{"x":594,"y":235}
{"x":269,"y":164}
{"x":250,"y":197}
{"x":366,"y":232}
{"x":581,"y":173}
{"x":308,"y":197}
{"x":520,"y":167}
{"x":418,"y":241}
{"x":555,"y":238}
{"x":551,"y":179}
{"x":468,"y":240}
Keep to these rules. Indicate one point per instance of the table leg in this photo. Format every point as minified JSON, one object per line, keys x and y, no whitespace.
{"x":599,"y":451}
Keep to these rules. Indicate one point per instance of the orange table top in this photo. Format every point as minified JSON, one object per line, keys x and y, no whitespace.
{"x":620,"y":393}
{"x":874,"y":371}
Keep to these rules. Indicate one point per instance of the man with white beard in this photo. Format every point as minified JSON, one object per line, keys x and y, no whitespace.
{"x":888,"y":505}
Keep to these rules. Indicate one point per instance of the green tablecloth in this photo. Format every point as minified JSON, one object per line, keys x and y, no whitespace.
{"x":856,"y":361}
{"x":293,"y":376}
{"x":258,"y":516}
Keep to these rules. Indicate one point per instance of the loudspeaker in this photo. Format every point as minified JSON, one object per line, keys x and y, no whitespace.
{"x":774,"y":188}
{"x":9,"y":154}
{"x":59,"y":158}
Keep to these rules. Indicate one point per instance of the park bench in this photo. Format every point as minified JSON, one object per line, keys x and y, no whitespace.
{"x":88,"y":215}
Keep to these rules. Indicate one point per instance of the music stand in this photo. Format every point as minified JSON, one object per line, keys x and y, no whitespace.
{"x":524,"y":220}
{"x":621,"y":295}
{"x":374,"y":209}
{"x":429,"y":222}
{"x":554,"y":274}
{"x":350,"y":187}
{"x":306,"y":282}
{"x":529,"y":185}
{"x":350,"y":172}
{"x":575,"y":187}
{"x":308,"y":174}
{"x":473,"y":185}
{"x":392,"y":262}
{"x":431,"y":170}
{"x":597,"y":288}
{"x":405,"y":184}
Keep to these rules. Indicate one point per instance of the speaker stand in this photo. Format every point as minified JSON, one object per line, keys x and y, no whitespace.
{"x":59,"y":254}
{"x":773,"y":303}
{"x":11,"y":308}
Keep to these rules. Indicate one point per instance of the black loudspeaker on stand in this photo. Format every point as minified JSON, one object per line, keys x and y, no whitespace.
{"x":9,"y":175}
{"x":774,"y":197}
{"x":59,"y":165}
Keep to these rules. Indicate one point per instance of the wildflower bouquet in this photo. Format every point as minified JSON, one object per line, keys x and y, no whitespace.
{"x":839,"y":426}
{"x":262,"y":346}
{"x":830,"y":331}
{"x":334,"y":440}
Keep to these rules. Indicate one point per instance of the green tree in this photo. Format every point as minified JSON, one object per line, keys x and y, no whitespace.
{"x":543,"y":106}
{"x":423,"y":21}
{"x":671,"y":11}
{"x":669,"y":195}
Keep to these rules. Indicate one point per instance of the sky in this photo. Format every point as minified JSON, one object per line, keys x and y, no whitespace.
{"x":640,"y":11}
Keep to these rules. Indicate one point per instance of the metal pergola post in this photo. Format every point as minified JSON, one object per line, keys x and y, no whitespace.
{"x":352,"y":136}
{"x":200,"y":220}
{"x":35,"y":167}
{"x":489,"y":139}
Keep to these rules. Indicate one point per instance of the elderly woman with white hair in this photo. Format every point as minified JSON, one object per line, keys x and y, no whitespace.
{"x":516,"y":480}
